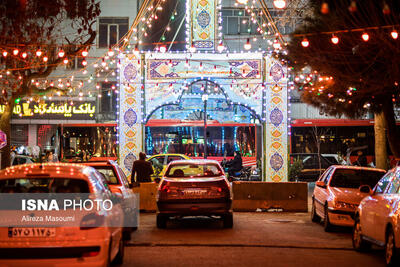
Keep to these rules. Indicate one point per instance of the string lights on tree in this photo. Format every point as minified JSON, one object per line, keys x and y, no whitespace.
{"x":335,"y":39}
{"x":280,"y":4}
{"x":305,"y":42}
{"x":365,"y":36}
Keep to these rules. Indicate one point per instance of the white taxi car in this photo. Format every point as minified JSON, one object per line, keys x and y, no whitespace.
{"x":377,"y":220}
{"x":337,"y":193}
{"x":93,"y":245}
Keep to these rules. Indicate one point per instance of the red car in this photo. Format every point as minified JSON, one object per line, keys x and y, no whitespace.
{"x":194,"y":188}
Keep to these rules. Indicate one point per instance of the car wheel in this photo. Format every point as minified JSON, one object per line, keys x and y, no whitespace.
{"x":227,"y":220}
{"x":391,"y":254}
{"x":108,"y":261}
{"x":126,"y":234}
{"x":327,"y":224}
{"x":161,"y":221}
{"x":119,"y":258}
{"x":359,"y":244}
{"x":314,"y":215}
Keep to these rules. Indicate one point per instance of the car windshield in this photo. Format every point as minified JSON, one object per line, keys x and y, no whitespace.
{"x":348,"y":178}
{"x":190,"y":170}
{"x":108,"y":173}
{"x":43,"y":185}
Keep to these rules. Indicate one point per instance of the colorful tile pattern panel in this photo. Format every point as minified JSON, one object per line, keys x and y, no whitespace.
{"x":203,"y":26}
{"x":130,"y":112}
{"x":276,"y":116}
{"x":180,"y":69}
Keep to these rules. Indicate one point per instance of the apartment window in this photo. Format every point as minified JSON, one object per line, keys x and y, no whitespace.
{"x":108,"y":102}
{"x":75,"y":63}
{"x":111,"y":30}
{"x":238,"y":21}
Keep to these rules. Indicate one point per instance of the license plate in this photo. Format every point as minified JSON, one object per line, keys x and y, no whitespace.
{"x":31,"y":232}
{"x":195,"y":192}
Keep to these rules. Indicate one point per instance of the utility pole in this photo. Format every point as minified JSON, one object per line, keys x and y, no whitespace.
{"x":205,"y":98}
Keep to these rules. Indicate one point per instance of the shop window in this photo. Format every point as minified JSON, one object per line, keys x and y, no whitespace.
{"x":19,"y":134}
{"x":75,"y":63}
{"x":111,"y":30}
{"x":108,"y":102}
{"x":90,"y":141}
{"x":237,"y":21}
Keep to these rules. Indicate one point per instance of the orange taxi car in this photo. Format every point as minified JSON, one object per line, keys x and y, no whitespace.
{"x":118,"y":183}
{"x":86,"y":244}
{"x":337,"y":194}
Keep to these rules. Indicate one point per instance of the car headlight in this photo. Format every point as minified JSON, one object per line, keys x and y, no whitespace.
{"x":344,"y":205}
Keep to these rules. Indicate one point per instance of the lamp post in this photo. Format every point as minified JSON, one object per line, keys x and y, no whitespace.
{"x":204,"y":97}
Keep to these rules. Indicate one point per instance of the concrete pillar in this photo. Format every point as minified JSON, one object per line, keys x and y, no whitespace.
{"x":32,"y":135}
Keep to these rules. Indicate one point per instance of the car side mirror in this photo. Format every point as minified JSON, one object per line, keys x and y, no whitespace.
{"x":320,"y":184}
{"x":365,"y":189}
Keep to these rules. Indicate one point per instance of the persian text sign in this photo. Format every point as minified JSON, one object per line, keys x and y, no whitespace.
{"x":54,"y":110}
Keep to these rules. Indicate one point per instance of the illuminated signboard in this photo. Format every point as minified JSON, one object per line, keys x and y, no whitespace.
{"x":54,"y":110}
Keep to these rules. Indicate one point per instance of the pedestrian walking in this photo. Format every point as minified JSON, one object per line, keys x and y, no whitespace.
{"x":142,"y":168}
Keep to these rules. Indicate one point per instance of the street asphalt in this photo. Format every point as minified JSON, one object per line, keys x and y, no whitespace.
{"x":257,"y":239}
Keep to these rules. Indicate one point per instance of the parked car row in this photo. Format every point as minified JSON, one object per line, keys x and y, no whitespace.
{"x":367,"y":199}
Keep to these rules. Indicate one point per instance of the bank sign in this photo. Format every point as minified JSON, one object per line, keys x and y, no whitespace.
{"x":54,"y":110}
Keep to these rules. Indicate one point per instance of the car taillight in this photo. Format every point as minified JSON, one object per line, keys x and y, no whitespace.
{"x":166,"y":191}
{"x":190,"y":190}
{"x":91,"y":221}
{"x":90,"y":254}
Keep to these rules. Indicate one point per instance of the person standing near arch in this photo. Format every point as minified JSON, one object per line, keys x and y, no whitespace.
{"x":143,"y":170}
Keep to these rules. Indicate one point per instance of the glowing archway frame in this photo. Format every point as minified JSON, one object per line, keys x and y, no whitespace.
{"x":161,"y":77}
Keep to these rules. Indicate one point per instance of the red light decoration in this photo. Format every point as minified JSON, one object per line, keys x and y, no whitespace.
{"x":39,"y":53}
{"x":276,"y":44}
{"x":5,"y":53}
{"x":335,"y":39}
{"x":247,"y":45}
{"x":45,"y":59}
{"x":365,"y":37}
{"x":15,"y":52}
{"x":85,"y":53}
{"x":394,"y":34}
{"x":324,"y":8}
{"x":386,"y":9}
{"x":61,"y":53}
{"x":353,"y":6}
{"x":163,"y":48}
{"x":65,"y":61}
{"x":305,"y":42}
{"x":84,"y":62}
{"x":279,"y":4}
{"x":24,"y":55}
{"x":110,"y":52}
